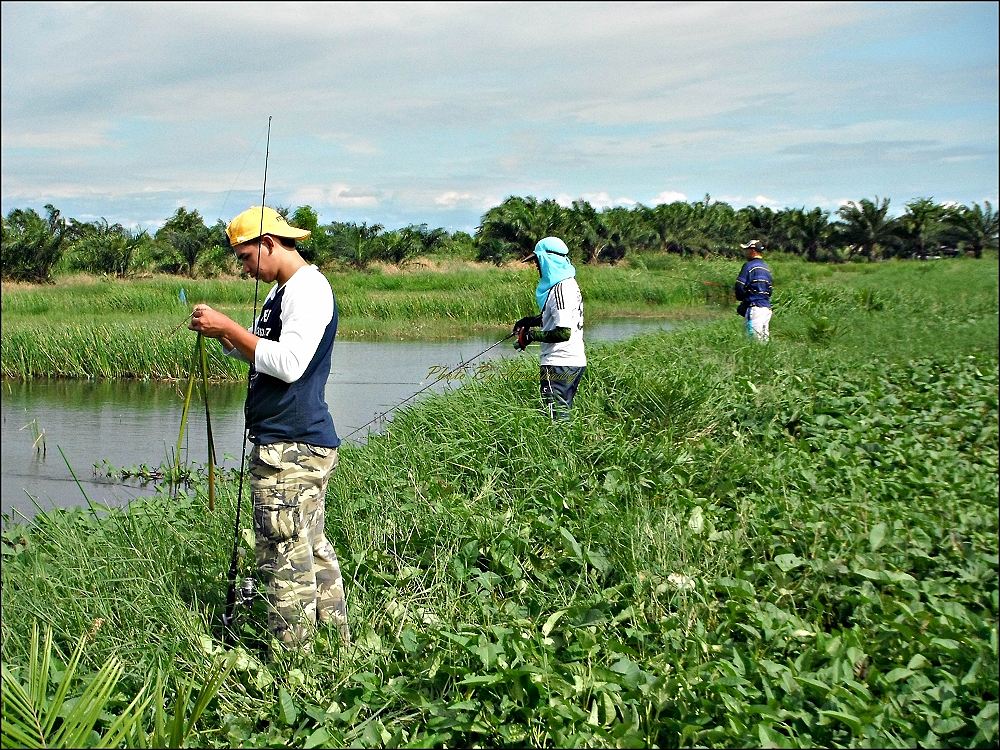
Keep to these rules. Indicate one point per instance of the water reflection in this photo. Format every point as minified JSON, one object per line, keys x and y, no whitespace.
{"x":97,"y":425}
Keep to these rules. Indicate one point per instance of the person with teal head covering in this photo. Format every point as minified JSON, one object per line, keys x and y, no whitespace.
{"x":558,"y":327}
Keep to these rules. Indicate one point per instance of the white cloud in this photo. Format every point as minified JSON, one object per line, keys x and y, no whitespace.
{"x":429,"y":109}
{"x":343,"y":196}
{"x":55,"y":138}
{"x":351,"y":143}
{"x":453,"y":198}
{"x":741,"y":201}
{"x":596,"y":200}
{"x":336,"y":196}
{"x":667,"y":196}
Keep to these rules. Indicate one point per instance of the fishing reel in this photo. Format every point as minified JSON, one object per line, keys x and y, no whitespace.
{"x":247,"y":592}
{"x":239,"y":597}
{"x":523,"y":338}
{"x":241,"y":592}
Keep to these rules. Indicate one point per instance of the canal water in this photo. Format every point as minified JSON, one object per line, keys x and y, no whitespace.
{"x":60,"y":438}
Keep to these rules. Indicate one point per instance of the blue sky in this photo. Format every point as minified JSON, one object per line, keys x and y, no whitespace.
{"x":401,"y":113}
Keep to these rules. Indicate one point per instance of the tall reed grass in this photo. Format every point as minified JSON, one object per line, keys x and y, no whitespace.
{"x":119,"y":350}
{"x":119,"y":329}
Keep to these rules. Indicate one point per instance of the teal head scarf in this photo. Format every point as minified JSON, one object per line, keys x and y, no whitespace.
{"x":553,"y":262}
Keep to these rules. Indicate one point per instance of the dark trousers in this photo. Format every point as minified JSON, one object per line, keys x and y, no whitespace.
{"x":559,"y":386}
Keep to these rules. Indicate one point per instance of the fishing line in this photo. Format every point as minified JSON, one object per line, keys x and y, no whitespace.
{"x":229,"y":193}
{"x":227,"y":617}
{"x":689,"y":280}
{"x":461,"y":365}
{"x":246,"y":160}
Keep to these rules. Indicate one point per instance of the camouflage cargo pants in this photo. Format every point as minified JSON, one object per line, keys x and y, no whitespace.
{"x":295,"y":559}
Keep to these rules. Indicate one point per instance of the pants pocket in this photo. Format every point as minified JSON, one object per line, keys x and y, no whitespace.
{"x":322,"y":459}
{"x":276,"y":522}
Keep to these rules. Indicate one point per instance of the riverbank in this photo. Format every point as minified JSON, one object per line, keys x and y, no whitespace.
{"x":135,"y":329}
{"x":131,"y":426}
{"x":730,"y":545}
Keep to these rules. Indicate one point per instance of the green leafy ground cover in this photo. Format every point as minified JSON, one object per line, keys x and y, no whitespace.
{"x":730,"y":545}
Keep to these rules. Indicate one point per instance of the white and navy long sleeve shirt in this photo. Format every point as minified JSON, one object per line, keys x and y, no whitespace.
{"x":297,"y":326}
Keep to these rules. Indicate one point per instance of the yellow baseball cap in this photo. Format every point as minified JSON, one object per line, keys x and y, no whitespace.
{"x":257,"y":221}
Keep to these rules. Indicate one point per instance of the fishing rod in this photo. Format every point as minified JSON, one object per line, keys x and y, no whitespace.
{"x":246,"y":590}
{"x":382,"y":415}
{"x":689,"y":280}
{"x":460,"y":366}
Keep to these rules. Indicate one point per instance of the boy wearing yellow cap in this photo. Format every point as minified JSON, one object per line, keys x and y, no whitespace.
{"x":295,"y":443}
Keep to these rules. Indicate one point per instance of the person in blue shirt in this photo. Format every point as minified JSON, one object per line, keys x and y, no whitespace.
{"x":753,"y":290}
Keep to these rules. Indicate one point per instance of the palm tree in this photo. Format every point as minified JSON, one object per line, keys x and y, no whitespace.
{"x":702,"y":227}
{"x":586,"y":229}
{"x":103,"y":248}
{"x":30,"y":246}
{"x":717,"y":226}
{"x":764,"y":225}
{"x":974,"y":226}
{"x":185,"y":232}
{"x":923,"y":224}
{"x":628,"y":231}
{"x":865,"y":226}
{"x":513,"y":227}
{"x":357,"y":244}
{"x":318,"y":247}
{"x":402,"y":245}
{"x":675,"y":227}
{"x":806,"y":231}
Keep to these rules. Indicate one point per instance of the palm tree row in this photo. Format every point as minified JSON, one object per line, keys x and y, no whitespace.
{"x":710,"y":227}
{"x":35,"y":248}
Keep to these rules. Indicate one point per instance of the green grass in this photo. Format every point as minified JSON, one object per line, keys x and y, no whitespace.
{"x":730,"y":545}
{"x":108,"y":328}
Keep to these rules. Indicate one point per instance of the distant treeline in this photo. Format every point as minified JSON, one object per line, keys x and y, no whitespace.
{"x":38,"y":248}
